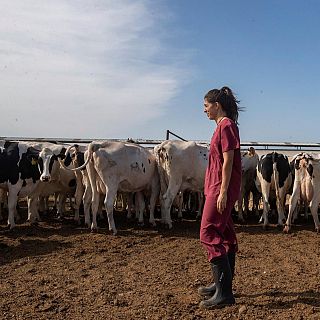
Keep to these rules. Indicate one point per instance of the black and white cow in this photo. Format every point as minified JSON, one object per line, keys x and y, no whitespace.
{"x":274,"y":174}
{"x":306,"y":186}
{"x":53,"y":179}
{"x":23,"y":170}
{"x":19,"y":173}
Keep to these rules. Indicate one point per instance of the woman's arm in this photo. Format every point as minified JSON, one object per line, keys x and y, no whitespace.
{"x":226,"y":175}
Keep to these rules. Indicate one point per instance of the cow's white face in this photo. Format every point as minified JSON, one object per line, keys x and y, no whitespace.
{"x":46,"y":159}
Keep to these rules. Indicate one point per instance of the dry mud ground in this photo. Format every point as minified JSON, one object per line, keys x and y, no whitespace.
{"x":61,"y":271}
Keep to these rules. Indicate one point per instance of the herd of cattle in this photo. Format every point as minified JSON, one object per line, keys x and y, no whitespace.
{"x":97,"y":174}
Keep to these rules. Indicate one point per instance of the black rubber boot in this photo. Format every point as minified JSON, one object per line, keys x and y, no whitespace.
{"x":207,"y":291}
{"x":210,"y":290}
{"x":223,"y":282}
{"x":232,"y":262}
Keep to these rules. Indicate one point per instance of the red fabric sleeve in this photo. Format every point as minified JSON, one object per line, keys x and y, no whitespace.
{"x":229,"y":137}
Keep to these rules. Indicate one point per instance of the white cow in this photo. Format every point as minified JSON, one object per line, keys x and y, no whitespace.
{"x":182,"y":166}
{"x":119,"y":166}
{"x":249,"y":162}
{"x":306,"y":186}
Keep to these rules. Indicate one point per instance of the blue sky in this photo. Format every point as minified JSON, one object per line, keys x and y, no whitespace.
{"x":135,"y":68}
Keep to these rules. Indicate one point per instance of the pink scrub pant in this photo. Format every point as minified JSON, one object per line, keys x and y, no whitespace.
{"x":217,"y":233}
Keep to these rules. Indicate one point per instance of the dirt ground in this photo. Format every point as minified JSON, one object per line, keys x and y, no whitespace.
{"x":62,"y":271}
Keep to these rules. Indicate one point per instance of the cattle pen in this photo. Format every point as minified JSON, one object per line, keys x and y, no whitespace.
{"x":58,"y":269}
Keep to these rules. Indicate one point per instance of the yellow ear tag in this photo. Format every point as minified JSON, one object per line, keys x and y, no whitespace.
{"x":34,"y":161}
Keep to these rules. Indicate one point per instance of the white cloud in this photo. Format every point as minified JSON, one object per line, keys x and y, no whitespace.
{"x":82,"y":68}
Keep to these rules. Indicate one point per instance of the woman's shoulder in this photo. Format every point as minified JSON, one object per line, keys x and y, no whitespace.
{"x":228,"y":122}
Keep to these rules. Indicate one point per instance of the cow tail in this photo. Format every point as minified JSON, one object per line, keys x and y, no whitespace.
{"x":276,"y":176}
{"x":91,"y":148}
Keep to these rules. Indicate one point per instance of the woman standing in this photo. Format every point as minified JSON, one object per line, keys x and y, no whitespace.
{"x":222,"y":188}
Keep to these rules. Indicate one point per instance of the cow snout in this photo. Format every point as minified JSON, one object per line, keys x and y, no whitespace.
{"x":45,"y":178}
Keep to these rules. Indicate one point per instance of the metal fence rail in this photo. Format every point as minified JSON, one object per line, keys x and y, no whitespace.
{"x":278,"y":146}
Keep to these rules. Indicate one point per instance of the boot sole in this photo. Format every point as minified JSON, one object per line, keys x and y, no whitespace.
{"x":216,"y":306}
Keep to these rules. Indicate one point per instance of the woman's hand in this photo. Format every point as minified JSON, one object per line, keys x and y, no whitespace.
{"x":222,"y":202}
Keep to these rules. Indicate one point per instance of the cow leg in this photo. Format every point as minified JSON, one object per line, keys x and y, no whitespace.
{"x":2,"y":201}
{"x":62,"y":197}
{"x":77,"y":202}
{"x":100,"y":208}
{"x":111,"y":193}
{"x":168,"y":198}
{"x":33,"y":212}
{"x":140,"y":206}
{"x":292,"y":206}
{"x":93,"y":176}
{"x":314,"y":204}
{"x":180,"y":204}
{"x":94,"y":209}
{"x":87,"y":198}
{"x":153,"y":199}
{"x":155,"y":191}
{"x":265,"y":187}
{"x":12,"y":204}
{"x":129,"y":204}
{"x":16,"y":214}
{"x":200,"y":199}
{"x":42,"y":204}
{"x":280,"y":206}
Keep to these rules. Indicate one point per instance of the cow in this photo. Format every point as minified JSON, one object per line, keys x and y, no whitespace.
{"x":182,"y":166}
{"x":19,"y":173}
{"x":83,"y":193}
{"x":119,"y":166}
{"x":274,"y":174}
{"x":53,"y":179}
{"x":306,"y":186}
{"x":24,"y":168}
{"x":249,"y":162}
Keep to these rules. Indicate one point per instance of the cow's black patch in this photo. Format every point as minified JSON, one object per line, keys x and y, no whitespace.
{"x":310,"y":169}
{"x":72,"y":183}
{"x":80,"y":159}
{"x":283,"y":168}
{"x":52,"y":160}
{"x":28,"y":165}
{"x":67,"y":160}
{"x":265,"y":167}
{"x":12,"y":165}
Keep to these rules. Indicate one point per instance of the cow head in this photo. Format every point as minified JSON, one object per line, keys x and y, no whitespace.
{"x":47,"y":162}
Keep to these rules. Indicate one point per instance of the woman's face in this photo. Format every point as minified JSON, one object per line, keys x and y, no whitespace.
{"x":211,"y":109}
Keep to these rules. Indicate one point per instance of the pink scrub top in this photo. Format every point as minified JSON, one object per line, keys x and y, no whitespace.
{"x":225,"y":138}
